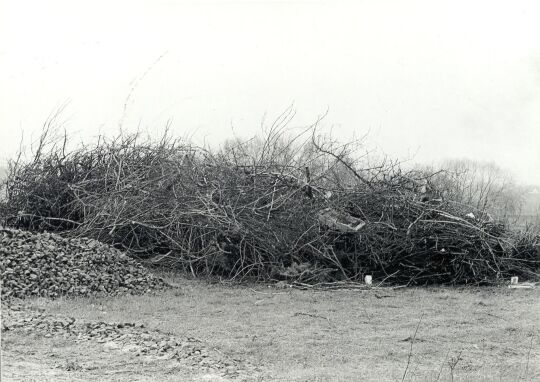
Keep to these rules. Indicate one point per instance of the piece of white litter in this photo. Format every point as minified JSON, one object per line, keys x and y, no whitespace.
{"x":514,"y":280}
{"x":528,"y":285}
{"x":522,"y":286}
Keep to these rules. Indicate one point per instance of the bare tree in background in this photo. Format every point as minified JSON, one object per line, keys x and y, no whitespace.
{"x":483,"y":185}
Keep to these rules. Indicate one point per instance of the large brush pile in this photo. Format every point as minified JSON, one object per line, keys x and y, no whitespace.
{"x":51,"y":266}
{"x":269,"y":209}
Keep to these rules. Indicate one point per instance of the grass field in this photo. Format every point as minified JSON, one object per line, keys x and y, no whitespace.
{"x":413,"y":334}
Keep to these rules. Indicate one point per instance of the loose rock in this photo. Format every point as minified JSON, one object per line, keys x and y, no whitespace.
{"x":49,"y":265}
{"x":128,"y":337}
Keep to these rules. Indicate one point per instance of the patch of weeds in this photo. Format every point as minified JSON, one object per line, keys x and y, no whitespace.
{"x":72,"y":365}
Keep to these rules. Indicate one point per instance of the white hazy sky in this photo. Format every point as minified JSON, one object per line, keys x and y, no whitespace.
{"x":437,"y":79}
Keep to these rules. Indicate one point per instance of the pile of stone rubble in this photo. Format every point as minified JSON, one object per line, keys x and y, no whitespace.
{"x":127,"y":337}
{"x":49,"y":265}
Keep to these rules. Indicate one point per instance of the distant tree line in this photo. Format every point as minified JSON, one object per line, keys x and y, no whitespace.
{"x":483,"y":185}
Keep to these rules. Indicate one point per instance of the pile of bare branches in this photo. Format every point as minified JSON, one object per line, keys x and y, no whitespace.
{"x":296,"y":207}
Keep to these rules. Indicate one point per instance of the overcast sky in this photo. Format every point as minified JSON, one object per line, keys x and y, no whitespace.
{"x":433,"y":79}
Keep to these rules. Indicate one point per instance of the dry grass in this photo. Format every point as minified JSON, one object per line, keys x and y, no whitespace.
{"x":472,"y":334}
